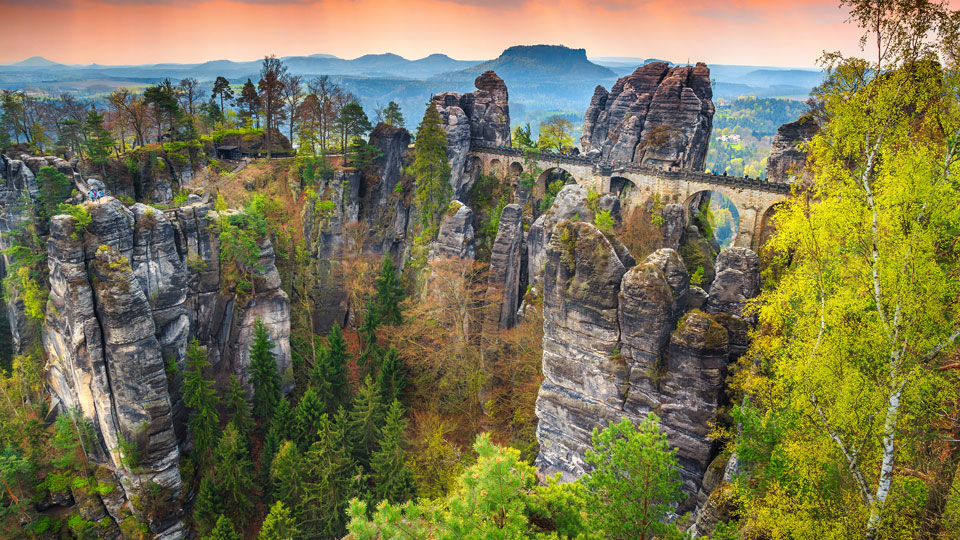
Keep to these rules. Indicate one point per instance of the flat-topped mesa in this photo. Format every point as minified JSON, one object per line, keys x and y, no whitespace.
{"x":658,"y":116}
{"x":481,"y":117}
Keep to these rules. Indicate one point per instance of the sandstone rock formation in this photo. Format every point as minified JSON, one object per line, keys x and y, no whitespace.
{"x":480,"y":117}
{"x":18,"y":190}
{"x":455,"y":236}
{"x":659,"y":116}
{"x":571,"y":203}
{"x":505,"y":266}
{"x":125,"y":296}
{"x":620,"y":340}
{"x":787,"y":162}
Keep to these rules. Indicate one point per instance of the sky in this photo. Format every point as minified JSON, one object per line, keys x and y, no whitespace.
{"x":755,"y":32}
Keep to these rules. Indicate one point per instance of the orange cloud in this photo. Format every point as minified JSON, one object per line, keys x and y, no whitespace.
{"x":789,"y":32}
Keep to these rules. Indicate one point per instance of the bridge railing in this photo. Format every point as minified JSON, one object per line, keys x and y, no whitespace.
{"x":615,"y":168}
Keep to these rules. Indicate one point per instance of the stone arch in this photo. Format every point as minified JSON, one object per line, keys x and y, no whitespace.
{"x":516,"y":169}
{"x":550,"y":176}
{"x":727,"y":216}
{"x":623,"y":187}
{"x":496,"y":168}
{"x":767,"y":226}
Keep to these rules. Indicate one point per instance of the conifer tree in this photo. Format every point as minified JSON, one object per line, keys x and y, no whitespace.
{"x":369,"y":358}
{"x":328,"y":376}
{"x":282,"y":427}
{"x":389,"y":293}
{"x":284,"y":420}
{"x":233,"y":473}
{"x":635,"y":482}
{"x":223,"y":530}
{"x":309,"y":411}
{"x":208,"y":504}
{"x":431,"y":170}
{"x":287,"y":477}
{"x":279,"y":524}
{"x":263,"y":368}
{"x":199,"y":396}
{"x":330,"y":467}
{"x":365,"y":419}
{"x":98,"y":140}
{"x":392,"y":377}
{"x":393,"y":480}
{"x":238,"y":406}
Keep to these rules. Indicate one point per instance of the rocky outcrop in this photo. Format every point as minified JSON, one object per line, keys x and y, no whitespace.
{"x":480,"y":117}
{"x":571,"y":203}
{"x":382,"y":206}
{"x":659,"y":116}
{"x":125,"y":296}
{"x":788,"y":162}
{"x":504,"y":283}
{"x":455,"y":236}
{"x":18,"y":191}
{"x":621,"y":340}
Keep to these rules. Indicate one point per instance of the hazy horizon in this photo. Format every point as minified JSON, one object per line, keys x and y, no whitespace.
{"x":126,"y":32}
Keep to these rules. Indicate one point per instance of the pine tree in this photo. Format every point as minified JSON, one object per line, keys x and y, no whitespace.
{"x":431,"y":170}
{"x":208,"y":504}
{"x":233,"y":473}
{"x":199,"y":396}
{"x":635,"y":482}
{"x":287,"y":476}
{"x":263,"y":368}
{"x":393,"y":115}
{"x":330,"y":469}
{"x":389,"y":291}
{"x":98,"y":141}
{"x":392,"y":377}
{"x":279,"y":524}
{"x":336,"y":359}
{"x":393,"y":480}
{"x":365,"y":419}
{"x":224,"y":530}
{"x":309,"y":411}
{"x":328,"y":375}
{"x":238,"y":406}
{"x":369,"y":359}
{"x":285,"y":421}
{"x":282,"y":428}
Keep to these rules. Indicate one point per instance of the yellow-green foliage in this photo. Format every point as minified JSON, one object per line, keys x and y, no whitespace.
{"x":604,"y":221}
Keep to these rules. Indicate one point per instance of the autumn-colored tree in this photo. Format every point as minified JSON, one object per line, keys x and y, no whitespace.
{"x":271,"y":87}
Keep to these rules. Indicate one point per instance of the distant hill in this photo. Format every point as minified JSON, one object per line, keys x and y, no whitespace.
{"x":539,"y":62}
{"x":34,"y":62}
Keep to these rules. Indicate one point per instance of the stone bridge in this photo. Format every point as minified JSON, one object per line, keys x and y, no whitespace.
{"x":755,"y":199}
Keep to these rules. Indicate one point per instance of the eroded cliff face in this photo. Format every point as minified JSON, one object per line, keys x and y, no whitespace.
{"x":125,"y":296}
{"x":788,"y":162}
{"x":658,"y":116}
{"x":480,"y":117}
{"x":624,"y":339}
